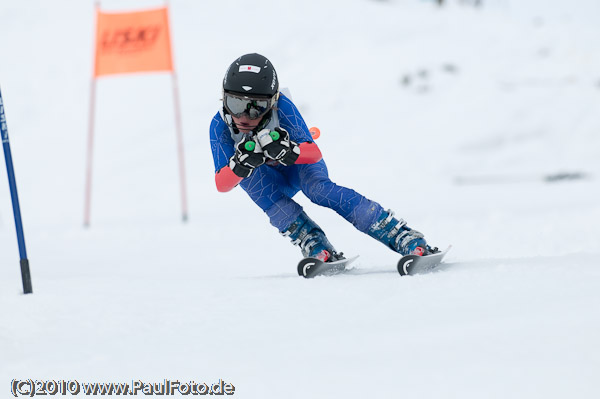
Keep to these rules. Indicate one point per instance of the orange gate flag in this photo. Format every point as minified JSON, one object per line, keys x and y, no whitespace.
{"x":132,"y":42}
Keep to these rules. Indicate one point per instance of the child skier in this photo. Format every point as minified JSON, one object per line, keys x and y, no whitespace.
{"x":260,"y":141}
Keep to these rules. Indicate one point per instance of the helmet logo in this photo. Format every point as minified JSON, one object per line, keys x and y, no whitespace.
{"x":247,"y":88}
{"x":274,"y":81}
{"x":249,"y":68}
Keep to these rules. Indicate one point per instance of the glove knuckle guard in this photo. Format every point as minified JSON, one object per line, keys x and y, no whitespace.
{"x":244,"y":161}
{"x":279,"y":149}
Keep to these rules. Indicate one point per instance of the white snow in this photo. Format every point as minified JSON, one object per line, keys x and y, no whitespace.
{"x":508,"y":93}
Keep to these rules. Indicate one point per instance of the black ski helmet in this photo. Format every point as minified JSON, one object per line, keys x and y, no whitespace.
{"x":251,"y":75}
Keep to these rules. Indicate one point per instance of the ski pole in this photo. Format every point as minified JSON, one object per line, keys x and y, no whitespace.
{"x":25,"y":274}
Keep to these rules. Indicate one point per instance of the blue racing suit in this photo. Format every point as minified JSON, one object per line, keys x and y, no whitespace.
{"x":272,"y":186}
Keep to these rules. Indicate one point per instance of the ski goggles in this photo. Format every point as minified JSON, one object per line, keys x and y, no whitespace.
{"x":254,"y":107}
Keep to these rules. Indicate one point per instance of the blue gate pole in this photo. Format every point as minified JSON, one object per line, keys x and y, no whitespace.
{"x":25,"y":274}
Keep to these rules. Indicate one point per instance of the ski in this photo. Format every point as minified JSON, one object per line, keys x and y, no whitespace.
{"x":312,"y":267}
{"x":415,"y":264}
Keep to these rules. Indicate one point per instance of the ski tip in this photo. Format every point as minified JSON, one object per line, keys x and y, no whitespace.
{"x":352,"y":259}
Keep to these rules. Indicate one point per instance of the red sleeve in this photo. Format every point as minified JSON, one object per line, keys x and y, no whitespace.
{"x":309,"y":153}
{"x":226,"y":180}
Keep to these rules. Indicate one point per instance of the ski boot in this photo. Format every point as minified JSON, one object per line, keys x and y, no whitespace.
{"x":312,"y":241}
{"x":398,"y":236}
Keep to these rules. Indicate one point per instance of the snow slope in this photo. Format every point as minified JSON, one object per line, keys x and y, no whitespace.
{"x":452,"y":117}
